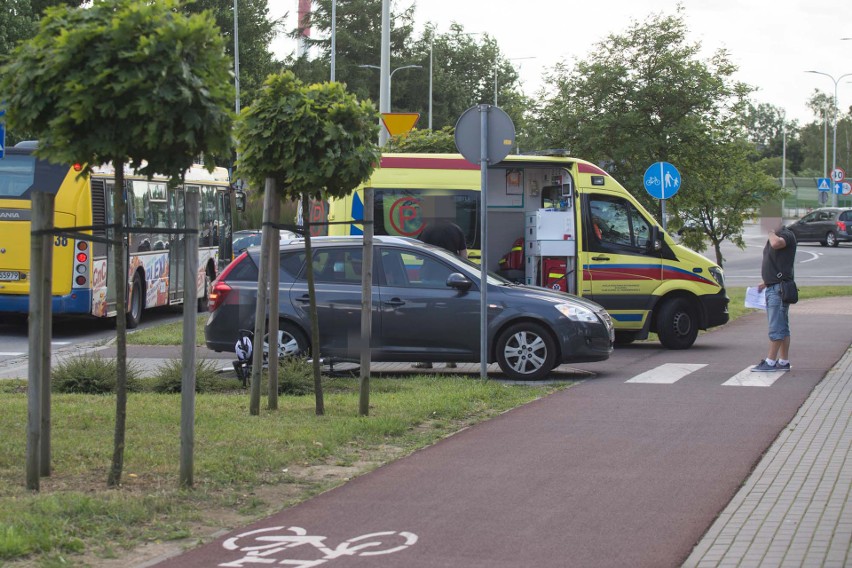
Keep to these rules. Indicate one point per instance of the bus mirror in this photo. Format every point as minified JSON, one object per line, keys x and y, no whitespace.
{"x":240,"y":200}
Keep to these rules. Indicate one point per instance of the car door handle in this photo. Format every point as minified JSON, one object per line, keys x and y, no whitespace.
{"x":395,"y":302}
{"x":600,"y":258}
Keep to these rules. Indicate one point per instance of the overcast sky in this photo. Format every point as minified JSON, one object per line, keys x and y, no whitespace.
{"x":772,"y":41}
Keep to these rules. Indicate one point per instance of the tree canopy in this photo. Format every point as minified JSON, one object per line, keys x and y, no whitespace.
{"x":310,"y":139}
{"x":123,"y":80}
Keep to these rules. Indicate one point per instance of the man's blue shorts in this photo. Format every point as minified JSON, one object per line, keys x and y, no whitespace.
{"x":778,"y":313}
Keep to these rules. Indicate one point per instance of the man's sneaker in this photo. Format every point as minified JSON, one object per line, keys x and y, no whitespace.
{"x":783,"y":366}
{"x":764,"y":367}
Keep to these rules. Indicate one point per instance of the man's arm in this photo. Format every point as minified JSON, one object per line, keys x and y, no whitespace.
{"x":776,"y":242}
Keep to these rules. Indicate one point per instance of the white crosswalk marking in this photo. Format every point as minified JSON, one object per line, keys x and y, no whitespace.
{"x":667,"y":374}
{"x":748,"y":378}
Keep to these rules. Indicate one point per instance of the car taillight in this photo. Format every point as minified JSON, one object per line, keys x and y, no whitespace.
{"x":218,"y":292}
{"x":841,"y":226}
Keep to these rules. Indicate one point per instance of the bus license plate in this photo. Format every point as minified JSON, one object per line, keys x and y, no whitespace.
{"x":8,"y":275}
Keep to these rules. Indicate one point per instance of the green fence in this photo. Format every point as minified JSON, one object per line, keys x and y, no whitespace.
{"x":803,"y":196}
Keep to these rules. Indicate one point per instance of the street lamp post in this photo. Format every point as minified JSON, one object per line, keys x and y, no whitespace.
{"x":391,"y":77}
{"x":834,"y":135}
{"x":495,"y":73}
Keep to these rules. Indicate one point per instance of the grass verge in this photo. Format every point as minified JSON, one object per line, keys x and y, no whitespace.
{"x":245,"y":467}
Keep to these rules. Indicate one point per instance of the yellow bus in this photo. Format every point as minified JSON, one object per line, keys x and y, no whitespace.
{"x":82,"y":283}
{"x":553,"y":221}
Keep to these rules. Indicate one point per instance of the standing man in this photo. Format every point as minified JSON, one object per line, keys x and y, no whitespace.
{"x":779,"y":254}
{"x":447,"y":235}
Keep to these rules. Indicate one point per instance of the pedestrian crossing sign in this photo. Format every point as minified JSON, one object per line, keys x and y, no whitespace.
{"x":823,"y":184}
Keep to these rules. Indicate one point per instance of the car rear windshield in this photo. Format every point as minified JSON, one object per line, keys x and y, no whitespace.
{"x":291,"y":264}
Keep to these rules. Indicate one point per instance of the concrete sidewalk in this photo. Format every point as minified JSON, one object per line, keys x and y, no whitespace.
{"x":796,"y":507}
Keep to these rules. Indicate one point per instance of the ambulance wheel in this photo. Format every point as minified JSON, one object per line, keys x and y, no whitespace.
{"x":526,"y":352}
{"x":677,"y":324}
{"x":291,"y":341}
{"x":625,"y":337}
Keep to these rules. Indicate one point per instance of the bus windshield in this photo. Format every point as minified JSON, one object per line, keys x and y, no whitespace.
{"x":21,"y":172}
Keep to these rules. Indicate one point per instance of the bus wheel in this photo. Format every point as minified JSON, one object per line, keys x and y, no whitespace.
{"x":677,"y":324}
{"x":134,"y":315}
{"x":526,"y":352}
{"x":204,"y":301}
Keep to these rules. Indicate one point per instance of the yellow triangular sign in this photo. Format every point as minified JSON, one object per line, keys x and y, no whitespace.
{"x":399,"y":122}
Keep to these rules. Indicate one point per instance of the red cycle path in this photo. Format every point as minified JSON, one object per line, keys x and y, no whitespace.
{"x":606,"y":473}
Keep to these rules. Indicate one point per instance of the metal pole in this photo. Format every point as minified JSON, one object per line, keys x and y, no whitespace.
{"x":834,"y":145}
{"x":384,"y":79}
{"x":430,"y":84}
{"x":495,"y":82}
{"x":663,"y":194}
{"x":236,"y":57}
{"x":190,"y":302}
{"x":825,"y":141}
{"x":483,"y":244}
{"x":333,"y":35}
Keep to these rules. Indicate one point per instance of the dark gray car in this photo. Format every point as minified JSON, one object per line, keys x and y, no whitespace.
{"x":426,"y":305}
{"x":828,"y":226}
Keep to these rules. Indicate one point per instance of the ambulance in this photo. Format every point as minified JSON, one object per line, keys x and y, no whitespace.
{"x":552,"y":221}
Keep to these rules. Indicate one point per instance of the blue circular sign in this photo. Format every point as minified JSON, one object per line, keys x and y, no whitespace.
{"x":662,"y":180}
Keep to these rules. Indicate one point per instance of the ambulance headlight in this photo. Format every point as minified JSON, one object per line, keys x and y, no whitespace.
{"x":577,"y":313}
{"x":718,"y":275}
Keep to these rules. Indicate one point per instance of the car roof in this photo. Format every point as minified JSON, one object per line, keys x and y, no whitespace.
{"x":350,"y":240}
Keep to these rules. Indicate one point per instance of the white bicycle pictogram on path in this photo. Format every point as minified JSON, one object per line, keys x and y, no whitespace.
{"x":263,"y":546}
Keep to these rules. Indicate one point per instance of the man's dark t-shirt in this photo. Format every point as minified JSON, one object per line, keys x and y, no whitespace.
{"x":446,"y":235}
{"x":779,"y":261}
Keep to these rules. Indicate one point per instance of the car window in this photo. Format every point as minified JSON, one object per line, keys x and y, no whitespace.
{"x":290,"y":265}
{"x":846,"y":216}
{"x":342,"y":265}
{"x":413,"y":270}
{"x":244,"y":270}
{"x":810,"y":217}
{"x":823,"y":216}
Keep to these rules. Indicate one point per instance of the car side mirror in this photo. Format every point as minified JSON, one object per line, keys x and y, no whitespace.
{"x":459,"y":281}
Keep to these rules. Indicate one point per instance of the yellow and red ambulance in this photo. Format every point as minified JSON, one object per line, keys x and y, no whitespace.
{"x":581,"y":232}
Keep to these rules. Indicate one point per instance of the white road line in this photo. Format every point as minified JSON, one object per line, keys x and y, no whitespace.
{"x":9,"y":354}
{"x":667,"y":374}
{"x":748,"y":378}
{"x":814,"y":255}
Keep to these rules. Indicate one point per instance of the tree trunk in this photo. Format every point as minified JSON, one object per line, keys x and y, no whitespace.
{"x":315,"y":335}
{"x":190,"y":317}
{"x":262,"y":300}
{"x":120,"y":270}
{"x":274,"y":263}
{"x":366,"y":305}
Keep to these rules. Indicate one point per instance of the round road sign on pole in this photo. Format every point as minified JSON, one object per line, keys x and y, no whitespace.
{"x":501,"y":134}
{"x":837,"y":174}
{"x":662,"y":180}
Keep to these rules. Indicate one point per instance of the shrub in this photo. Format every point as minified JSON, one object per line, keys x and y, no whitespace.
{"x":169,"y":377}
{"x":91,"y":374}
{"x":295,"y":376}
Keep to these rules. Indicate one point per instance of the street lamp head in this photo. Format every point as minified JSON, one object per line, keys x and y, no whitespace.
{"x":365,"y":66}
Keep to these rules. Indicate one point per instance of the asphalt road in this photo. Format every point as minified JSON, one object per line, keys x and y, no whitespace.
{"x":628,"y":468}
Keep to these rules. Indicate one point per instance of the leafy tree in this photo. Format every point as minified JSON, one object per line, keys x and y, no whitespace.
{"x":767,"y":128}
{"x":256,"y":32}
{"x":308,"y":141}
{"x":721,"y":189}
{"x":420,"y":141}
{"x":122,"y":81}
{"x":357,"y":42}
{"x":645,"y":96}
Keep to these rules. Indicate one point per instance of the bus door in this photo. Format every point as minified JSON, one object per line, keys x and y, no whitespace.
{"x":177,"y":254}
{"x":618,"y":258}
{"x":224,"y":229}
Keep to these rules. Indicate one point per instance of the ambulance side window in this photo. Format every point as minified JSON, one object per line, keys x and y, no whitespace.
{"x":613,"y":224}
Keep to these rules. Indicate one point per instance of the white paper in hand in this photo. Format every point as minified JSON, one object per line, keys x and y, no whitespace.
{"x":755,"y":299}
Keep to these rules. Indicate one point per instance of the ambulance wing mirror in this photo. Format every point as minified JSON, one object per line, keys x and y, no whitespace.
{"x":654,"y":243}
